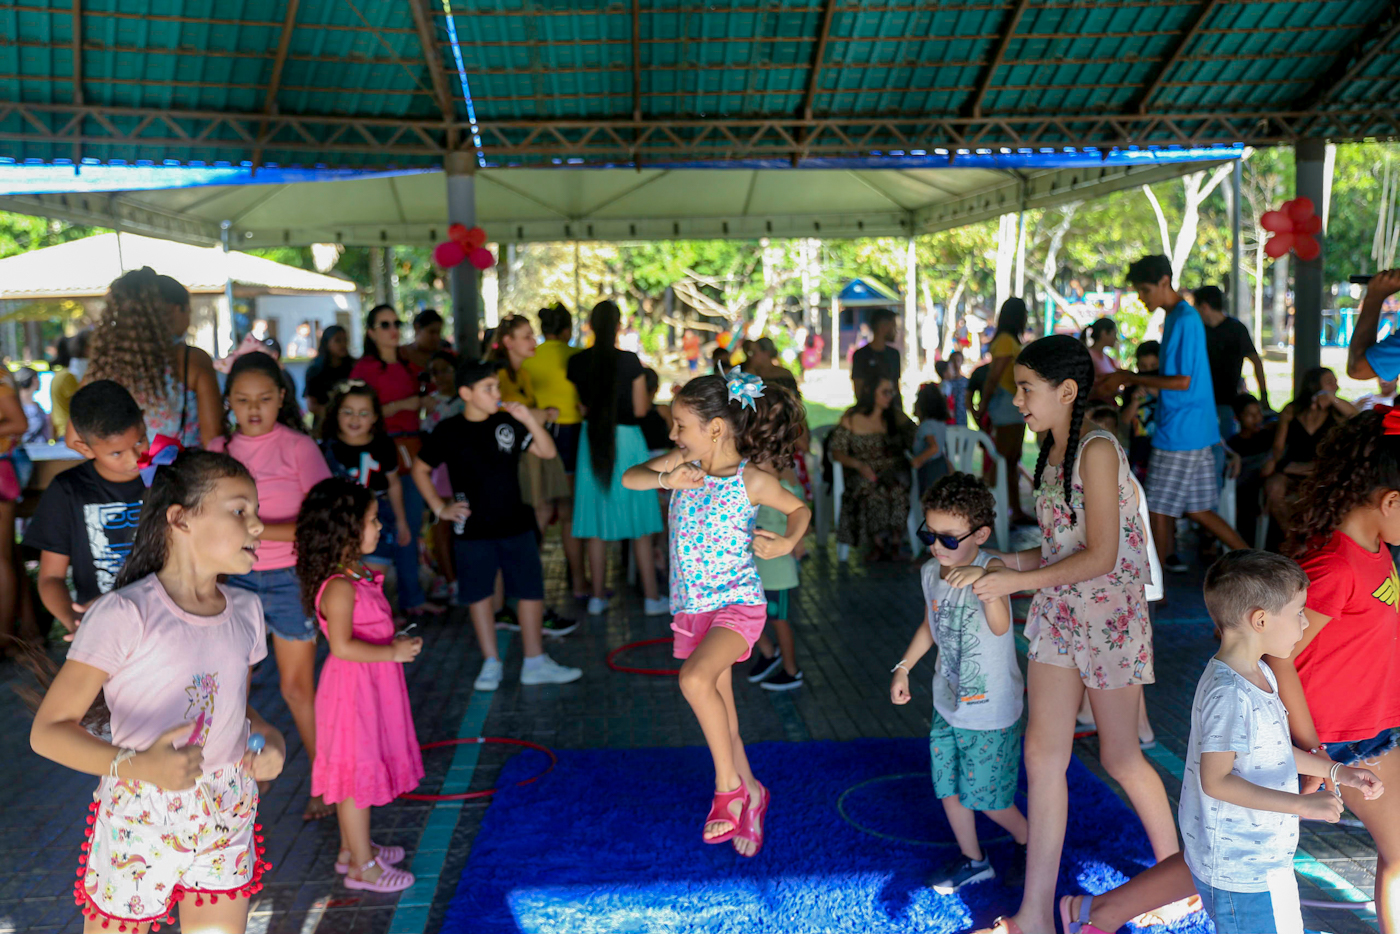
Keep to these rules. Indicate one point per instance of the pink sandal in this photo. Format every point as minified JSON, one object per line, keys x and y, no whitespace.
{"x":719,"y":811}
{"x":751,"y":825}
{"x":1081,"y":924}
{"x":384,"y":855}
{"x":1002,"y":925}
{"x":391,"y":879}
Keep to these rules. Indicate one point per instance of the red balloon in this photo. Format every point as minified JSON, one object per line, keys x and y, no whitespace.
{"x":475,"y":238}
{"x":1277,"y":221}
{"x":481,"y":258}
{"x":1300,"y":209}
{"x":1279,"y":244}
{"x":457,"y":233}
{"x":1306,"y":248}
{"x":448,"y":254}
{"x":1312,"y":226}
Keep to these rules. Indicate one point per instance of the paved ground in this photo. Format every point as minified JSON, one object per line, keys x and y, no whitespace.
{"x":852,"y":622}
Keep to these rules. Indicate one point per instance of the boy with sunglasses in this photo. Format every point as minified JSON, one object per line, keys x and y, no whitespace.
{"x":975,"y":739}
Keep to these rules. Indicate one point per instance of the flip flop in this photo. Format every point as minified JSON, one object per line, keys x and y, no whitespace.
{"x":1002,"y":925}
{"x":719,"y":811}
{"x":751,"y":826}
{"x":384,"y":855}
{"x":392,"y":879}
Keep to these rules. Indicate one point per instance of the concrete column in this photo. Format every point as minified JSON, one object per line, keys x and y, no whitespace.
{"x":466,"y":294}
{"x":911,"y":313}
{"x":1309,"y":157}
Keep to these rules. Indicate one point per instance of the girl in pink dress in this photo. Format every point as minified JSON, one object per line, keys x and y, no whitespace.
{"x":368,"y":750}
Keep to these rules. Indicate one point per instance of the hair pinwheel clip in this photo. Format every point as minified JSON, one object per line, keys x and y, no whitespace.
{"x":744,"y":387}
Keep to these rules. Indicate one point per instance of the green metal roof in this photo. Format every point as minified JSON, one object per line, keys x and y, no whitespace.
{"x":377,"y":83}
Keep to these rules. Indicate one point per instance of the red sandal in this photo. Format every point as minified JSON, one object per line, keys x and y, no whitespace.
{"x":751,"y":823}
{"x":719,"y":811}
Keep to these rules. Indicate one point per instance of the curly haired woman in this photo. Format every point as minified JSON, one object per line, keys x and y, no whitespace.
{"x":135,"y":343}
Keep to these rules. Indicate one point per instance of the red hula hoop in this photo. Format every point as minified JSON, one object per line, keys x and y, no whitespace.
{"x":640,"y":671}
{"x":477,"y":740}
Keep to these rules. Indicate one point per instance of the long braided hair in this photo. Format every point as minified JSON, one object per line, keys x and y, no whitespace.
{"x":1055,"y":359}
{"x":1355,"y":460}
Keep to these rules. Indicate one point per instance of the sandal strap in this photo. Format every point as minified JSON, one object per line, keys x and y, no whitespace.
{"x":1084,"y":903}
{"x":370,"y":865}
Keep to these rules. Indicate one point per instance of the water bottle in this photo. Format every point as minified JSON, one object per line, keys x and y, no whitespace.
{"x":460,"y":525}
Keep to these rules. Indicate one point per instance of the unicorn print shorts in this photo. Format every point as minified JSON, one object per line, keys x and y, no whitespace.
{"x":149,"y":848}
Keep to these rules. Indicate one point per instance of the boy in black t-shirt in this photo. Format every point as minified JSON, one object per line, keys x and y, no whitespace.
{"x":495,"y":530}
{"x":87,"y":517}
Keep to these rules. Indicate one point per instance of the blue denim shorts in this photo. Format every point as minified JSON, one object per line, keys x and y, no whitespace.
{"x":1267,"y":912}
{"x":1361,"y":750}
{"x":280,"y":593}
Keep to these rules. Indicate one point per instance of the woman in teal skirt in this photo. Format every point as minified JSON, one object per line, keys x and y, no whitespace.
{"x":613,"y":395}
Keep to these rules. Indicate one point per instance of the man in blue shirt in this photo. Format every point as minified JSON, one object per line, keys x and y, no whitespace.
{"x":1181,"y":475}
{"x":1367,"y":358}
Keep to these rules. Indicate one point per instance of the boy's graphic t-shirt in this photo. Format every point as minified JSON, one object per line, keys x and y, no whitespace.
{"x":483,"y":462}
{"x":91,"y":520}
{"x":1227,"y":846}
{"x":166,"y":666}
{"x":1351,"y":669}
{"x":977,"y":683}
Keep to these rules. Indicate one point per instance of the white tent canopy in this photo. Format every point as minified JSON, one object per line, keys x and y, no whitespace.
{"x":552,"y":204}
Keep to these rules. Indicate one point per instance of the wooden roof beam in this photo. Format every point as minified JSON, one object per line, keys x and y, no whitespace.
{"x":637,"y":60}
{"x":77,"y":16}
{"x":1159,"y":72}
{"x":1009,"y":22}
{"x":423,"y":20}
{"x":814,"y":70}
{"x":1370,"y":41}
{"x":274,"y":84}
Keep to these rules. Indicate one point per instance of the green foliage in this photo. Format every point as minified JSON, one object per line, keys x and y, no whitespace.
{"x":21,"y":233}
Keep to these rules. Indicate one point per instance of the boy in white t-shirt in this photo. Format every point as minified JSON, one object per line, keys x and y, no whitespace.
{"x":975,"y":738}
{"x":1239,"y":796}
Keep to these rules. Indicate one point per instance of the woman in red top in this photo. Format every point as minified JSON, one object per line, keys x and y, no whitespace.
{"x":396,"y":380}
{"x":1347,"y":666}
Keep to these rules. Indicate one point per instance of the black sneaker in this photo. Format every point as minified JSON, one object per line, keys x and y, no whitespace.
{"x":1174,"y":564}
{"x":783,"y":681}
{"x":505,"y":619}
{"x":763,"y":667}
{"x":960,"y":872}
{"x":556,"y":625}
{"x":1015,"y":875}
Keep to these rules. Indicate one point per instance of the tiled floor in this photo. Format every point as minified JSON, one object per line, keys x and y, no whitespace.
{"x":851,"y":621}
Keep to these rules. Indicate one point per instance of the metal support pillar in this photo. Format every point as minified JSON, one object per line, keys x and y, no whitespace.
{"x":911,"y":313}
{"x":466,"y":292}
{"x":1236,"y":305}
{"x":1309,"y":156}
{"x":226,"y":228}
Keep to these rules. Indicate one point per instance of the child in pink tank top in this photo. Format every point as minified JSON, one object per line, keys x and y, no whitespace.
{"x":368,"y":753}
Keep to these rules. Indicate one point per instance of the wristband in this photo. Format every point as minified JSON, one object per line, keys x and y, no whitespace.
{"x":902,"y":664}
{"x":1332,"y":777}
{"x":437,"y":512}
{"x":661,"y":480}
{"x":122,"y":755}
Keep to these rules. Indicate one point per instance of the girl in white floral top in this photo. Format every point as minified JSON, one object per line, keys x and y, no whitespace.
{"x":1088,"y":625}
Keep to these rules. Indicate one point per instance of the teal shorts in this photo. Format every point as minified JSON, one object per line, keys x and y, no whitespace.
{"x":978,"y":766}
{"x":777,"y":603}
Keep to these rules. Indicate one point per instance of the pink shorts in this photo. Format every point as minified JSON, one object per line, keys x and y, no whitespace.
{"x":690,"y":628}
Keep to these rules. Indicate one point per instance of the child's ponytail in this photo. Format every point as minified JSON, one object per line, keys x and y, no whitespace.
{"x":767,"y":427}
{"x":1055,"y":359}
{"x":184,"y":482}
{"x":1354,"y":460}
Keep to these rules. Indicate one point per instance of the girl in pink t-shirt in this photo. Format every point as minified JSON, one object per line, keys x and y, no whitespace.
{"x":369,"y":750}
{"x":171,"y":649}
{"x":285,"y":463}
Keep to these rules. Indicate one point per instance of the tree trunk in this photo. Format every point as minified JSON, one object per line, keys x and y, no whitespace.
{"x":1281,"y":301}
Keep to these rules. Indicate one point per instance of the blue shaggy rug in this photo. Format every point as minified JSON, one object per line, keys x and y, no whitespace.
{"x":610,"y":842}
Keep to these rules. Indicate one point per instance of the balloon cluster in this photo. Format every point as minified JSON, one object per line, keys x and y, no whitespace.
{"x":1295,"y":227}
{"x":463,"y":244}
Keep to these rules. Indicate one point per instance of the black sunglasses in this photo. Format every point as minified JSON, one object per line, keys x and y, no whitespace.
{"x":950,"y":542}
{"x":388,"y":325}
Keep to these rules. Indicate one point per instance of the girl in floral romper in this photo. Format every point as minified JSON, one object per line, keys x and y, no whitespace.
{"x":1088,"y":627}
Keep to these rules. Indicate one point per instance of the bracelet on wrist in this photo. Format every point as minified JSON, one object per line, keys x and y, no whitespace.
{"x":437,"y":510}
{"x":902,"y":664}
{"x":661,"y":480}
{"x":123,"y":754}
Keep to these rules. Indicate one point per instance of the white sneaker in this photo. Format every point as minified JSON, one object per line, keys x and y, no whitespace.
{"x":661,"y":606}
{"x":490,"y":677}
{"x":597,"y":606}
{"x":544,"y":670}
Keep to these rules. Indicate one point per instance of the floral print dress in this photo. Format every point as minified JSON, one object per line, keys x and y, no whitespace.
{"x":874,"y":514}
{"x":1099,"y":626}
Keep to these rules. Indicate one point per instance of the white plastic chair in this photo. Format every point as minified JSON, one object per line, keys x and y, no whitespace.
{"x":1156,"y":585}
{"x":912,"y":522}
{"x":961,"y":454}
{"x":1229,"y":502}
